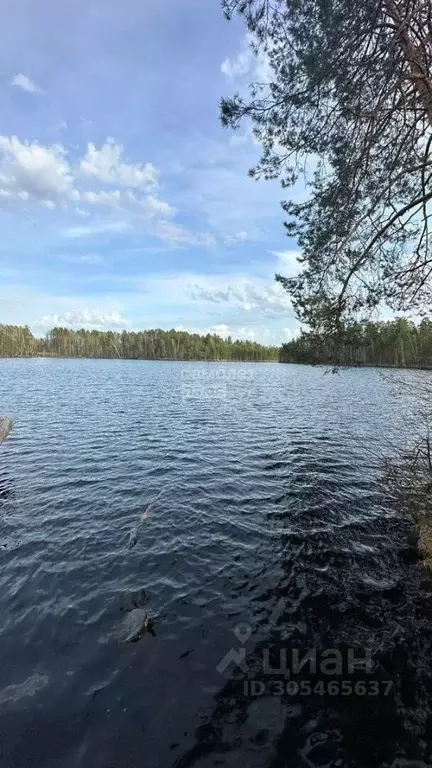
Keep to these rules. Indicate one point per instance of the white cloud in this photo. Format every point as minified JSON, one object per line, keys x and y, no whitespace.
{"x":238,"y":139}
{"x":258,"y":334}
{"x":241,"y":63}
{"x":105,"y":164}
{"x":85,"y":318}
{"x":261,"y":336}
{"x":224,"y":330}
{"x":177,"y":235}
{"x":269,"y":299}
{"x":24,"y":82}
{"x":82,"y":212}
{"x":149,"y":205}
{"x":291,"y":333}
{"x":151,"y":210}
{"x":155,"y":300}
{"x":33,"y":173}
{"x":95,"y":229}
{"x":288,"y":264}
{"x":247,"y":62}
{"x":111,"y":199}
{"x":238,"y":237}
{"x":29,"y":170}
{"x":153,"y":206}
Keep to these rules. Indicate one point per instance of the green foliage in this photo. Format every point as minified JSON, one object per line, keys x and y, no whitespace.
{"x":348,"y":107}
{"x":16,"y":341}
{"x":395,"y":343}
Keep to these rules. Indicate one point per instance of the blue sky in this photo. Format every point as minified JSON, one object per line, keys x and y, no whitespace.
{"x":123,"y":203}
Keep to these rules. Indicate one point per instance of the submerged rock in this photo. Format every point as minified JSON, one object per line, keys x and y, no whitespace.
{"x":133,"y":536}
{"x":136,"y":621}
{"x":6,"y":426}
{"x":135,"y":624}
{"x":137,"y":598}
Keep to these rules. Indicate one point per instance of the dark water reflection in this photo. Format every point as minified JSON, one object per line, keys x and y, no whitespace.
{"x":266,"y":510}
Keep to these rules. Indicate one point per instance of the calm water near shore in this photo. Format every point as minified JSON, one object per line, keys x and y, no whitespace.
{"x":269,"y":534}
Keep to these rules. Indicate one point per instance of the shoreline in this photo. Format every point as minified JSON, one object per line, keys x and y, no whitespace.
{"x":360,"y":365}
{"x":136,"y":359}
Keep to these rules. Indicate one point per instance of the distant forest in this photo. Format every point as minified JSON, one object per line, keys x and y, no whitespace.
{"x":395,"y":343}
{"x":18,"y":341}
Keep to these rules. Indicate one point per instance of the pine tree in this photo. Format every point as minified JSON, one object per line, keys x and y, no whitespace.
{"x":348,"y":105}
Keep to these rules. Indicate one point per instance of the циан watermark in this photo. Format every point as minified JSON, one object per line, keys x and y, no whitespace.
{"x":292,"y":671}
{"x":317,"y":688}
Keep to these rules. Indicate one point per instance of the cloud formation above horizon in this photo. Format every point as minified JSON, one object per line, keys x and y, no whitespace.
{"x":25,"y":83}
{"x":31,"y":173}
{"x":120,"y":205}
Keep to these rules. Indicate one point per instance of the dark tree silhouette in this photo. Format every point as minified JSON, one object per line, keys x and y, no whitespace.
{"x":397,"y":343}
{"x":348,"y":106}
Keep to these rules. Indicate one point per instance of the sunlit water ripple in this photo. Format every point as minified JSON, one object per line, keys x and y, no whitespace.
{"x":266,"y":509}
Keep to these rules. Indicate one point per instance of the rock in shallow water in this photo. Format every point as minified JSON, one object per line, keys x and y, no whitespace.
{"x":134,"y":625}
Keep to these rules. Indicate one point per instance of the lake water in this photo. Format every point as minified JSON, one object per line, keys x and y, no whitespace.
{"x":269,"y":533}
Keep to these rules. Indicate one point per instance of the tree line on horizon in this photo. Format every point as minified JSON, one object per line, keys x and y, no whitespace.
{"x":153,"y":344}
{"x":397,"y":342}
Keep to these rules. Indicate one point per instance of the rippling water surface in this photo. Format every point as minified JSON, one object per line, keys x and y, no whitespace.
{"x":268,"y":533}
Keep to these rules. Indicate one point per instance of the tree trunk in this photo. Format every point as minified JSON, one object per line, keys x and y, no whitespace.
{"x":417,"y":56}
